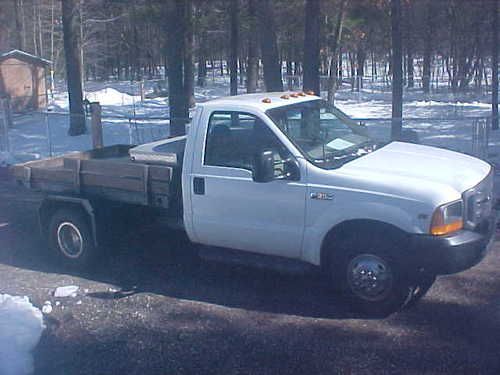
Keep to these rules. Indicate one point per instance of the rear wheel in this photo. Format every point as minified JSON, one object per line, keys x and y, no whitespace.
{"x":70,"y":238}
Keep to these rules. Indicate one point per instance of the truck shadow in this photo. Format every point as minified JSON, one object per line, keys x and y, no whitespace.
{"x":164,"y":262}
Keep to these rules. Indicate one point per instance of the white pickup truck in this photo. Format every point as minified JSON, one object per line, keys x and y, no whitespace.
{"x":286,"y":176}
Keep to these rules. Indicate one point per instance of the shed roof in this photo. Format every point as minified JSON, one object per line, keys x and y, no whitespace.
{"x":25,"y":56}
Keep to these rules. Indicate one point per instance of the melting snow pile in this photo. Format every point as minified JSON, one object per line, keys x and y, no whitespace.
{"x":21,"y":325}
{"x":110,"y":96}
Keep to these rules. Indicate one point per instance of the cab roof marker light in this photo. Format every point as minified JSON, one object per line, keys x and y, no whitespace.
{"x":285,"y":97}
{"x":266,"y":100}
{"x":301,"y":94}
{"x":310,"y":92}
{"x":294,"y":95}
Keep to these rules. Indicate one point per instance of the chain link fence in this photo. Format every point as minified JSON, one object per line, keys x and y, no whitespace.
{"x":45,"y":134}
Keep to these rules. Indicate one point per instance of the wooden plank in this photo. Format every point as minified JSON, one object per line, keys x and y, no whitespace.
{"x":103,"y":153}
{"x":55,"y":175}
{"x":51,"y":187}
{"x":115,"y":195}
{"x":18,"y":172}
{"x":161,"y":173}
{"x":44,"y":163}
{"x":108,"y":168}
{"x":160,"y":187}
{"x":128,"y":184}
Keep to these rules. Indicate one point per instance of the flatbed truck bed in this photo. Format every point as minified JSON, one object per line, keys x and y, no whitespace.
{"x":107,"y":173}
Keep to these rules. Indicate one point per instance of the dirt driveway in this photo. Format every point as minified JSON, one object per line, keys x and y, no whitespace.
{"x":152,"y":307}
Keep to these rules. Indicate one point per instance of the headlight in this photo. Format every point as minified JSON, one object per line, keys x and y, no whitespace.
{"x":447,"y":218}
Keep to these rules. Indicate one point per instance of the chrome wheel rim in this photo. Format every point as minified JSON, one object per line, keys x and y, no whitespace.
{"x":70,"y":240}
{"x":370,"y":277}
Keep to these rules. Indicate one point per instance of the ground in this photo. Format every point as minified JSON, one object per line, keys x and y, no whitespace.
{"x":153,"y":307}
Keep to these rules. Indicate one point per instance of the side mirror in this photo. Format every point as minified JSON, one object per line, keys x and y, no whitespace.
{"x":292,"y":169}
{"x":263,"y":167}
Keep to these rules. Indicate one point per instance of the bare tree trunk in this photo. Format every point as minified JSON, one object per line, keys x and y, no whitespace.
{"x":19,"y":26}
{"x":409,"y":44}
{"x":176,"y":25}
{"x":40,"y":31}
{"x":52,"y":62}
{"x":426,"y":74}
{"x":332,"y":77}
{"x":202,"y":64}
{"x":397,"y":70}
{"x":188,"y":54}
{"x":494,"y":61}
{"x":253,"y":53}
{"x":360,"y":68}
{"x":233,"y":56}
{"x":311,"y":46}
{"x":269,"y":47}
{"x":73,"y":68}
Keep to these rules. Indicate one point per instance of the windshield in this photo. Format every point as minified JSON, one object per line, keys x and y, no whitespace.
{"x":325,"y":135}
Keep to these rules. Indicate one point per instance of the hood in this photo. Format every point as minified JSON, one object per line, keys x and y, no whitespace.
{"x":412,"y":166}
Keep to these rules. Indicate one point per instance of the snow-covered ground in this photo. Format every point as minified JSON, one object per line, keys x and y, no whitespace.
{"x":441,"y":119}
{"x":21,"y":326}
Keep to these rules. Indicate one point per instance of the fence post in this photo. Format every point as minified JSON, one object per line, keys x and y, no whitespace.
{"x":141,"y":89}
{"x":96,"y":125}
{"x":49,"y":133}
{"x":6,"y":123}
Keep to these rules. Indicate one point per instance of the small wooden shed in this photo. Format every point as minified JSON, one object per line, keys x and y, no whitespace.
{"x":22,"y":79}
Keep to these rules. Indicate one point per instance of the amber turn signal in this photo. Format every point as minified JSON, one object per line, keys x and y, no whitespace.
{"x":440,"y":230}
{"x":447,"y":219}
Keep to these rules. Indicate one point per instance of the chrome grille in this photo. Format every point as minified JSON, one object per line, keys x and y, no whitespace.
{"x":478,"y":202}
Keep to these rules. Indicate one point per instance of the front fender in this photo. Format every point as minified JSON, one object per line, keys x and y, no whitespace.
{"x":319,"y":224}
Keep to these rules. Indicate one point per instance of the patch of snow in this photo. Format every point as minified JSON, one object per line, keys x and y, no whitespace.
{"x":47,"y":307}
{"x":21,"y":326}
{"x":66,"y":291}
{"x":110,"y":96}
{"x":6,"y":158}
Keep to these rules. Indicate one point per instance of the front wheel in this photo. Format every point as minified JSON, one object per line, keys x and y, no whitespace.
{"x":373,"y":283}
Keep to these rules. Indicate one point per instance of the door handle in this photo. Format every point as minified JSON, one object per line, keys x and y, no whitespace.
{"x":199,"y":185}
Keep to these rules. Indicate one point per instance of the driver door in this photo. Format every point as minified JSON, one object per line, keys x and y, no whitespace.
{"x":229,"y":208}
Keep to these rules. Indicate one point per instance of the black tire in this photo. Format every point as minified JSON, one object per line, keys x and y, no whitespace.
{"x":370,"y":258}
{"x":70,"y":239}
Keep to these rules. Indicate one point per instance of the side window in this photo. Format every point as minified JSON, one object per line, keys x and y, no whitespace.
{"x":234,"y":138}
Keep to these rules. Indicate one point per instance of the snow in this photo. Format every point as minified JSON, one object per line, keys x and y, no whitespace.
{"x":6,"y":158}
{"x":47,"y":307}
{"x":66,"y":291}
{"x":21,"y":326}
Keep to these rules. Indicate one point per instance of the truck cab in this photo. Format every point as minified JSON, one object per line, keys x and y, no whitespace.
{"x":290,"y":176}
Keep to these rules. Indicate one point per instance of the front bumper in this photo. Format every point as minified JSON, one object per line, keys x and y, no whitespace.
{"x":455,"y":252}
